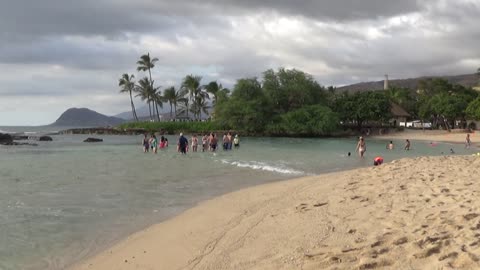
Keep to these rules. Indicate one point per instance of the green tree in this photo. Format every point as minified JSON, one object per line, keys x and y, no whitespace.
{"x":290,"y":89}
{"x":192,"y":86}
{"x":146,"y":93}
{"x":247,"y":109}
{"x":473,"y":109}
{"x":363,"y":106}
{"x":214,"y":88}
{"x":310,"y":120}
{"x":145,"y":63}
{"x":127,"y":84}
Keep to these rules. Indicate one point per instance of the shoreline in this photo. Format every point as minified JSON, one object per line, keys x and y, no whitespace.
{"x":339,"y":220}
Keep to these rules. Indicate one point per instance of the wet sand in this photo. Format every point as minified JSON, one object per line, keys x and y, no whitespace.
{"x":420,"y":213}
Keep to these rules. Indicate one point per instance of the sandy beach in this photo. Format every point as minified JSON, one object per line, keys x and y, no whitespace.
{"x":430,"y":135}
{"x":420,"y":213}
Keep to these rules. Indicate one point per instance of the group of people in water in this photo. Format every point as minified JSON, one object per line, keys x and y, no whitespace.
{"x":362,"y":148}
{"x":208,"y":142}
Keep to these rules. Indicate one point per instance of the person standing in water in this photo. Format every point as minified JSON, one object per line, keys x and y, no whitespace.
{"x":182,"y":144}
{"x":468,"y":142}
{"x":204,"y":143}
{"x":407,"y":144}
{"x":145,"y":143}
{"x":229,"y":141}
{"x":361,"y":147}
{"x":154,"y":144}
{"x":236,"y":141}
{"x":194,"y":143}
{"x":390,"y":146}
{"x":213,"y":142}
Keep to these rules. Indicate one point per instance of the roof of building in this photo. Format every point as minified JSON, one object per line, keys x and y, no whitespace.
{"x":398,"y":111}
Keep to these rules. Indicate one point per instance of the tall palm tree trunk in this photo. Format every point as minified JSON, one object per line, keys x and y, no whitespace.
{"x":133,"y":107}
{"x":171,"y":110}
{"x":149,"y":111}
{"x":158,"y":114}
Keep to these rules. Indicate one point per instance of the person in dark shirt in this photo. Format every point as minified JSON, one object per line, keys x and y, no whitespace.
{"x":182,"y":144}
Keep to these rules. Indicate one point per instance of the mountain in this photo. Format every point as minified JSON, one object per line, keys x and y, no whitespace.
{"x":83,"y":117}
{"x":467,"y":80}
{"x":142,"y":112}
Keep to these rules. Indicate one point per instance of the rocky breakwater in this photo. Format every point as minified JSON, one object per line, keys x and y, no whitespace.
{"x":93,"y":140}
{"x":7,"y":139}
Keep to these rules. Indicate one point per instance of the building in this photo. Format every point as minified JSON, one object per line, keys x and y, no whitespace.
{"x":398,"y":114}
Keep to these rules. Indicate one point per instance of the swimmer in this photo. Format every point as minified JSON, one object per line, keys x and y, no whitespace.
{"x":349,"y":154}
{"x":390,"y":146}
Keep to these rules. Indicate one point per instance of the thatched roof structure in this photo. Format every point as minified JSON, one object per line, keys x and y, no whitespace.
{"x":398,"y":111}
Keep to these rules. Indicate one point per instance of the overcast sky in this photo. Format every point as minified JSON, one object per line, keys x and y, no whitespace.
{"x":57,"y":54}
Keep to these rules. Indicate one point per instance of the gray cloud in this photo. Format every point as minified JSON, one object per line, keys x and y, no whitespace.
{"x":72,"y":52}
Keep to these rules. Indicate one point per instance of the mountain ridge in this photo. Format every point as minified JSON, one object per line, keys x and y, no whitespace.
{"x":467,"y":80}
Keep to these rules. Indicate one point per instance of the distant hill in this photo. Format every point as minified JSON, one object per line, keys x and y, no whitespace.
{"x":142,"y":112}
{"x":468,"y":80}
{"x":82,"y":117}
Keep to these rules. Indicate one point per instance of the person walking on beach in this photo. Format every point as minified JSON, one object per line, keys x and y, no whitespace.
{"x":182,"y":144}
{"x":194,"y":143}
{"x":361,"y":147}
{"x":145,"y":143}
{"x":390,"y":146}
{"x":407,"y":144}
{"x":468,"y":142}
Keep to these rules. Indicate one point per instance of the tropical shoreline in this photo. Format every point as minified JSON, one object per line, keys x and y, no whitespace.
{"x":370,"y":217}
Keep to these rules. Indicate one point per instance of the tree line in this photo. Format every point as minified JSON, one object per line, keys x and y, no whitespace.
{"x":191,"y":99}
{"x":291,"y":102}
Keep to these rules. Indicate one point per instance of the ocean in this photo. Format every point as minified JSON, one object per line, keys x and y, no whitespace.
{"x":65,"y":200}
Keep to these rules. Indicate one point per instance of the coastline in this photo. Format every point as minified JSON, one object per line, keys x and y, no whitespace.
{"x":430,"y":135}
{"x":410,"y":212}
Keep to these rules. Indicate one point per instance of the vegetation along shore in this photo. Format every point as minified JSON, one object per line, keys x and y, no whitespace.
{"x":289,"y":102}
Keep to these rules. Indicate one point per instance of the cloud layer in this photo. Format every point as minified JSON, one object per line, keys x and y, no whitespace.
{"x":56,"y":54}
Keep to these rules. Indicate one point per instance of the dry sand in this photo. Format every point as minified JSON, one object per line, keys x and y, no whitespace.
{"x":431,"y":135}
{"x":421,"y":213}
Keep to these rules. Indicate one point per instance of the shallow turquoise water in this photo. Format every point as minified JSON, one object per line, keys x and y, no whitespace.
{"x":64,"y":200}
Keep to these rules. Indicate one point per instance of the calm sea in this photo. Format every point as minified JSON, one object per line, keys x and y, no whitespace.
{"x":65,"y":200}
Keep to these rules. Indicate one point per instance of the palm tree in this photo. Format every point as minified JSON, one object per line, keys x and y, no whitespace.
{"x":191,"y":85}
{"x":169,"y":96}
{"x":146,"y":64}
{"x":201,"y":105}
{"x":145,"y":91}
{"x":127,"y":84}
{"x":214,"y":88}
{"x":158,"y":100}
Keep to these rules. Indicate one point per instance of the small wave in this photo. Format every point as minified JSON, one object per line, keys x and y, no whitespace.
{"x":262,"y":166}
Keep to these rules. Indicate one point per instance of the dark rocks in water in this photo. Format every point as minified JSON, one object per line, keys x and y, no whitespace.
{"x":93,"y":140}
{"x":6,"y":139}
{"x":20,"y":137}
{"x":45,"y":139}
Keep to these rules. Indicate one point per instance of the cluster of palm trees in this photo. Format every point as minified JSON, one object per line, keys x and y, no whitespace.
{"x":192,"y":97}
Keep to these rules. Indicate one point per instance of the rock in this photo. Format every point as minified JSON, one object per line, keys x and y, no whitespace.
{"x":20,"y":137}
{"x":45,"y":139}
{"x":6,"y":139}
{"x":93,"y":140}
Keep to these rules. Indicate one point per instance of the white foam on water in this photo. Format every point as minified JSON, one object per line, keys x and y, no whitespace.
{"x":262,"y":166}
